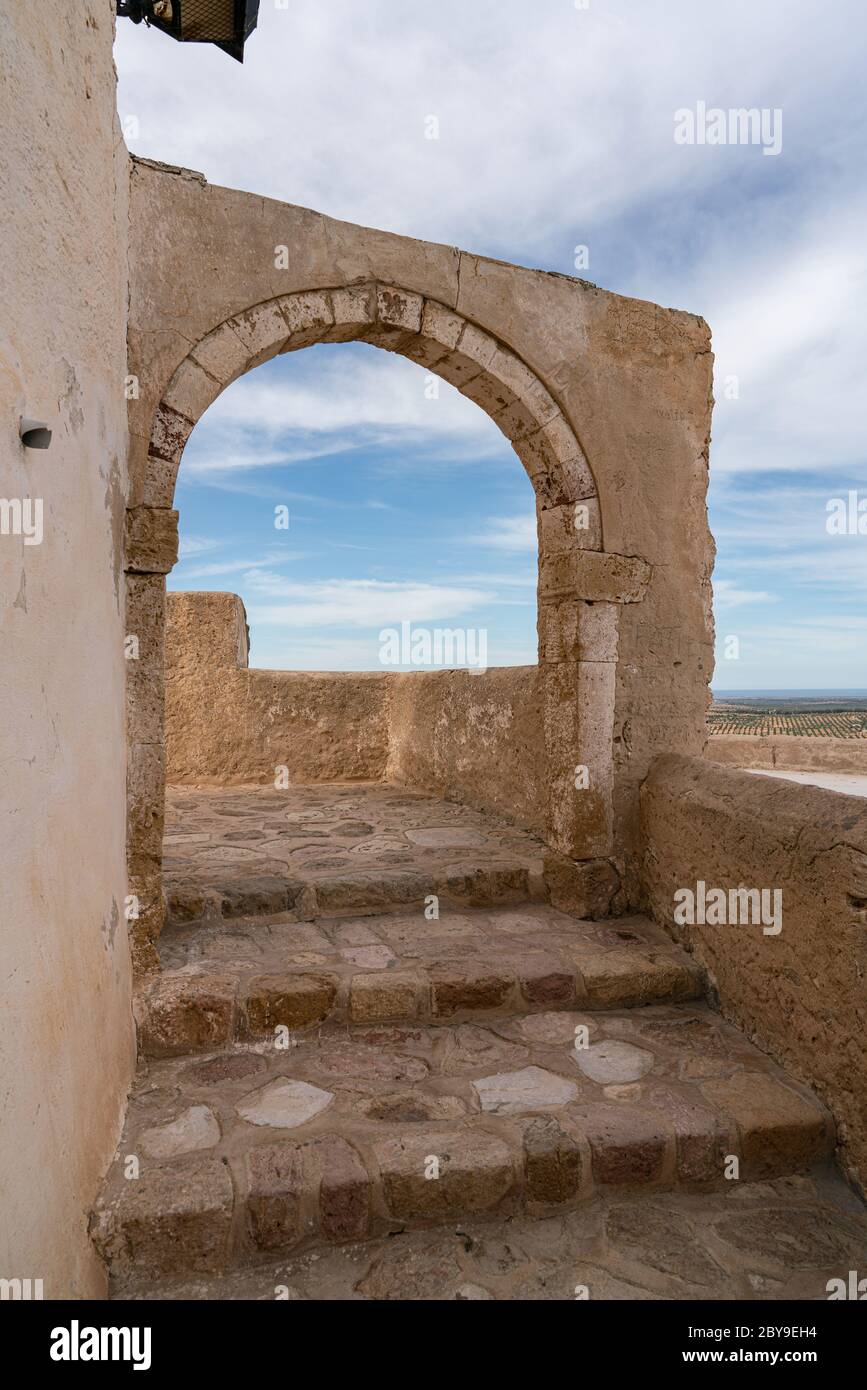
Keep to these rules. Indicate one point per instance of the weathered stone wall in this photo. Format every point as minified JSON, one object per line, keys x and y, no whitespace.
{"x":799,"y":994}
{"x":228,"y":724}
{"x":66,"y":1034}
{"x":607,"y":404}
{"x":789,"y":753}
{"x":474,"y":737}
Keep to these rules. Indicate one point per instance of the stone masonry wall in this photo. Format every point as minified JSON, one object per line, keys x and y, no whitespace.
{"x":226,"y":723}
{"x":475,"y":737}
{"x":478,"y":738}
{"x":799,"y":994}
{"x":605,"y":400}
{"x":66,"y":1029}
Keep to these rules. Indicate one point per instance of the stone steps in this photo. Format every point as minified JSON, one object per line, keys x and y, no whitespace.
{"x":243,"y":981}
{"x":326,"y":850}
{"x":353,"y":1132}
{"x":374,"y":1024}
{"x":784,"y":1239}
{"x":307,"y":897}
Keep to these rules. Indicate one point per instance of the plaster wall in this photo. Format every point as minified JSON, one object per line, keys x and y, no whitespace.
{"x":66,"y":1031}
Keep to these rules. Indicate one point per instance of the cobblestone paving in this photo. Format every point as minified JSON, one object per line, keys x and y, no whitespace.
{"x":760,"y":1241}
{"x":321,"y":848}
{"x":498,"y":1101}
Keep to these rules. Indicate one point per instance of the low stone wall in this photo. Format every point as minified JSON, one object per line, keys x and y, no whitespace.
{"x":475,"y":737}
{"x":799,"y":994}
{"x":788,"y":753}
{"x":227,"y":724}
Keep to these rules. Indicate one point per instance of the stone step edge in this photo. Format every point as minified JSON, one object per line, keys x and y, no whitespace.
{"x":359,"y":894}
{"x":205,"y":1214}
{"x":583,"y":887}
{"x":179,"y":1013}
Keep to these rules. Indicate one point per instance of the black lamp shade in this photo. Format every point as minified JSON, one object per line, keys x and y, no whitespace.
{"x":226,"y":23}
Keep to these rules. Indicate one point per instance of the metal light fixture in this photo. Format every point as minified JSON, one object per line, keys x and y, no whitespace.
{"x":226,"y":23}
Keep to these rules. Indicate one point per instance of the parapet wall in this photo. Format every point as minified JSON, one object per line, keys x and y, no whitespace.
{"x":227,"y":724}
{"x":474,"y":736}
{"x":788,"y":752}
{"x":477,"y":737}
{"x":800,"y":994}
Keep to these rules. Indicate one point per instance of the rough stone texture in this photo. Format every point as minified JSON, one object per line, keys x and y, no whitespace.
{"x":174,"y":1218}
{"x":379,"y":957}
{"x":512,"y":1093}
{"x":419,"y":1091}
{"x":182,"y":1014}
{"x":765,"y":1241}
{"x":194,"y":1129}
{"x":150,"y":540}
{"x":283,"y":1104}
{"x":476,"y":737}
{"x":66,"y":1036}
{"x":323,"y":850}
{"x":474,"y":1173}
{"x":799,"y":993}
{"x":394,"y":1124}
{"x":321,"y":727}
{"x":788,"y":752}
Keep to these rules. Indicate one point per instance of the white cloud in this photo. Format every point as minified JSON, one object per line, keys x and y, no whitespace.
{"x":303,"y":408}
{"x":195,"y":545}
{"x":727,"y":594}
{"x":509,"y":533}
{"x":346,"y":603}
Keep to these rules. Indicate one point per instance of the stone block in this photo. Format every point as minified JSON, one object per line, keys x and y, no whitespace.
{"x":191,"y":390}
{"x":176,"y":1218}
{"x":553,"y":1165}
{"x":222,"y":353}
{"x":383,"y":995}
{"x":630,"y":1146}
{"x":188,"y":1013}
{"x":262,"y":330}
{"x":295,"y":1001}
{"x":309,"y":316}
{"x":275,"y":1189}
{"x":150,"y":540}
{"x":467,"y":986}
{"x":344,"y":1190}
{"x":782,"y":1131}
{"x":475,"y":1173}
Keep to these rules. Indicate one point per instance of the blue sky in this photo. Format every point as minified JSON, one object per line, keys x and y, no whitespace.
{"x":555,"y":130}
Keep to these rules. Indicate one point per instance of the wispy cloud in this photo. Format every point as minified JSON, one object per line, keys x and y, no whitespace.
{"x":509,"y":533}
{"x":347,"y":603}
{"x":555,"y":129}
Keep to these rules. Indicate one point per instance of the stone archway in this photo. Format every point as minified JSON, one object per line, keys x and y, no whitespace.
{"x":567,"y":371}
{"x":573,"y":572}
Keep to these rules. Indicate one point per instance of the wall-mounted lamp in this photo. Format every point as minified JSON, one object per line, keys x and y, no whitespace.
{"x":34,"y":434}
{"x":226,"y":23}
